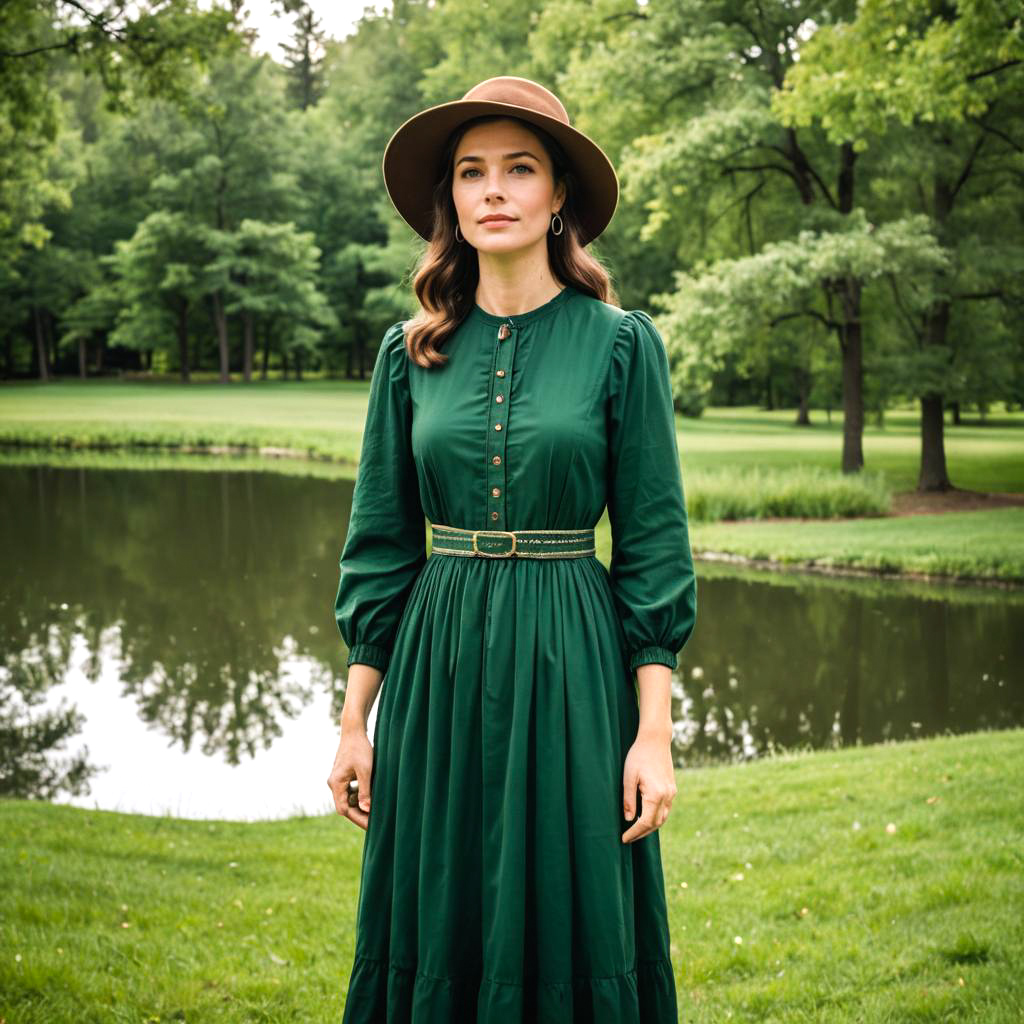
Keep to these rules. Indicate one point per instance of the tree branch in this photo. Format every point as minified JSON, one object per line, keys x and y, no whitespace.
{"x":974,"y":76}
{"x":813,"y":314}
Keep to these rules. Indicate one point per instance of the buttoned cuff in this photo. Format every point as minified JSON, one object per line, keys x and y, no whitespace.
{"x":653,"y":654}
{"x":370,"y":654}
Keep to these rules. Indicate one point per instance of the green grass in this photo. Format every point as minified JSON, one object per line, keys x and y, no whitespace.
{"x":740,"y":462}
{"x":758,"y":492}
{"x":326,"y":417}
{"x":323,"y":418}
{"x":981,"y":545}
{"x":870,"y":884}
{"x":987,"y":457}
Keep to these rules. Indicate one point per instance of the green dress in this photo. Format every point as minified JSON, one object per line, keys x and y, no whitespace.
{"x":494,"y":884}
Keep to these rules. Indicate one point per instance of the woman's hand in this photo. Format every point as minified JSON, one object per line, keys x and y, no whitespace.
{"x":354,"y":760}
{"x":648,"y":768}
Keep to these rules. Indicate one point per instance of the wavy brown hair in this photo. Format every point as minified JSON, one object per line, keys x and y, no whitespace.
{"x":448,"y":272}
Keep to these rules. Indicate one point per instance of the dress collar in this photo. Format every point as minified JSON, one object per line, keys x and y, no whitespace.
{"x":493,"y":320}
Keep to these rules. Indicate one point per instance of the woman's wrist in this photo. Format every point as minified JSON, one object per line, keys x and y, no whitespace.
{"x":654,"y":686}
{"x":353,"y":722}
{"x":655,"y":732}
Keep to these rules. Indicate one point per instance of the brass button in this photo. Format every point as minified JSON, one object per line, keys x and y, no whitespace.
{"x":495,"y":491}
{"x":500,"y":398}
{"x":500,"y":373}
{"x":494,"y":515}
{"x":496,"y":460}
{"x":497,"y":426}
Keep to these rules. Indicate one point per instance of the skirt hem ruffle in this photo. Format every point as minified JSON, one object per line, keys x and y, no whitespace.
{"x":380,"y":991}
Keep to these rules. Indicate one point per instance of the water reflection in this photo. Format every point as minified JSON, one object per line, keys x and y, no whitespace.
{"x":35,"y":732}
{"x":176,"y":625}
{"x":785,"y":661}
{"x":205,"y":595}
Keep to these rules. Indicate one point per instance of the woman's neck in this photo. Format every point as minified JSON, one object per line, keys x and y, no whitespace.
{"x":509,"y":291}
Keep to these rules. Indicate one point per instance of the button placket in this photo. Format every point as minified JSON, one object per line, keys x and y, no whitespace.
{"x":498,"y":405}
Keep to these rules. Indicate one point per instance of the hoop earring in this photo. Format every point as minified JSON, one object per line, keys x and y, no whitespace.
{"x":458,"y":237}
{"x":561,"y":224}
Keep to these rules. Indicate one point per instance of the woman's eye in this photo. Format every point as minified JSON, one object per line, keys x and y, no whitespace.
{"x":516,"y":167}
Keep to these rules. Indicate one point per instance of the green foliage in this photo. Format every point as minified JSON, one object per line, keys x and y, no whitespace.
{"x":749,"y":305}
{"x":133,"y":51}
{"x":908,"y":61}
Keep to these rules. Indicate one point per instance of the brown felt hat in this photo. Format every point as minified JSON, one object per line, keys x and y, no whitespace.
{"x":413,"y":156}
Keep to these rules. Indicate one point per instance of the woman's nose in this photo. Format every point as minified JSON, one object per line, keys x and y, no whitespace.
{"x":494,"y":187}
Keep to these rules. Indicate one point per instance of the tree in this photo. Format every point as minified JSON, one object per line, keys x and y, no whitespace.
{"x":272,"y":270}
{"x":160,"y":279}
{"x":684,"y":92}
{"x":939,"y":90}
{"x":304,"y":57}
{"x":228,"y":162}
{"x":135,"y":49}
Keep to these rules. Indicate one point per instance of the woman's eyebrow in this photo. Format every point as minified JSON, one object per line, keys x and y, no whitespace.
{"x":507,"y":156}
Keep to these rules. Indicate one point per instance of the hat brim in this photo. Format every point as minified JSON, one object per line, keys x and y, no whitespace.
{"x":412,"y":158}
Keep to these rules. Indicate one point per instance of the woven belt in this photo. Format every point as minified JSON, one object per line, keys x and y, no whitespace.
{"x":452,"y":540}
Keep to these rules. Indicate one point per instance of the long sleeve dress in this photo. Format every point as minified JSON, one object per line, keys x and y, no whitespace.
{"x":494,"y":884}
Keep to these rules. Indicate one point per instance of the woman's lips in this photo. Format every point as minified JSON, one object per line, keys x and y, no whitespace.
{"x":500,"y":222}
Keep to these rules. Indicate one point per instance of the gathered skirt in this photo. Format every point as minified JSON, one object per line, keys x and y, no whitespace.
{"x":495,"y":887}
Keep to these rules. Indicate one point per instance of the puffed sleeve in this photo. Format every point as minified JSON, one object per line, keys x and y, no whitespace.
{"x":385,"y":546}
{"x":651,"y":570}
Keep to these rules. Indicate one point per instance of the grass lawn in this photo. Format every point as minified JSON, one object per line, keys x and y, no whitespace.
{"x":869,"y":884}
{"x":318,"y":417}
{"x":327,"y":418}
{"x":983,"y":458}
{"x":324,"y":419}
{"x":966,"y":545}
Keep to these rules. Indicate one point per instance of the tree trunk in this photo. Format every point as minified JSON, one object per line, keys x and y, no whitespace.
{"x":220,"y":321}
{"x":851,"y":344}
{"x":933,"y":475}
{"x":83,"y":355}
{"x":954,"y":408}
{"x":266,"y":351}
{"x":803,"y":413}
{"x":247,"y":345}
{"x":51,"y":341}
{"x":183,"y":341}
{"x":40,"y":345}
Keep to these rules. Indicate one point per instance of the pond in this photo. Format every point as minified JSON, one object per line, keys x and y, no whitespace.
{"x":168,"y":644}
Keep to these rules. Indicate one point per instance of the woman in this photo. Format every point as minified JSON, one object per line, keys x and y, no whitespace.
{"x":511,"y":866}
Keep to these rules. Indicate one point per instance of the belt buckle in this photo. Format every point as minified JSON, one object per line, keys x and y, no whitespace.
{"x":495,"y":554}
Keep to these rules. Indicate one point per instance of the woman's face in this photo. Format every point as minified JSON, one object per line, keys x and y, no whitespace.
{"x":502,"y":169}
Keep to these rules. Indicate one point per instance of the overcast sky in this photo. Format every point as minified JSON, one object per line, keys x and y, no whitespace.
{"x":337,"y":17}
